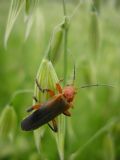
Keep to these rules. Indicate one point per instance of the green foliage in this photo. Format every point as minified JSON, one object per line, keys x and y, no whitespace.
{"x":92,"y":107}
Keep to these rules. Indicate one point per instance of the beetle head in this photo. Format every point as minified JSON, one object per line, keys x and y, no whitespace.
{"x":69,"y":93}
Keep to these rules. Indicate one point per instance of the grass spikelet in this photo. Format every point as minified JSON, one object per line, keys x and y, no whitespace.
{"x":15,"y":8}
{"x":38,"y":134}
{"x":47,"y":78}
{"x":60,"y":136}
{"x":56,"y":43}
{"x":39,"y":24}
{"x":29,"y":23}
{"x":7,"y":123}
{"x":13,"y":125}
{"x":31,"y":7}
{"x":36,"y":21}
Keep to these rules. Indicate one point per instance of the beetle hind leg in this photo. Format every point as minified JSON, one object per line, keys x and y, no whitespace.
{"x":35,"y":107}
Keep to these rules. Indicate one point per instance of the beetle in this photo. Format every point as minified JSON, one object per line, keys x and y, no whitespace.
{"x":48,"y":111}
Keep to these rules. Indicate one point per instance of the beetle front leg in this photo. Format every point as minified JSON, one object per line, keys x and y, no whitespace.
{"x":35,"y":107}
{"x":58,"y":87}
{"x":35,"y":99}
{"x":49,"y":91}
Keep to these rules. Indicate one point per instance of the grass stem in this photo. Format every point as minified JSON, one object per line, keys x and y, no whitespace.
{"x":65,"y":41}
{"x":65,"y":56}
{"x":16,"y":93}
{"x":64,"y":8}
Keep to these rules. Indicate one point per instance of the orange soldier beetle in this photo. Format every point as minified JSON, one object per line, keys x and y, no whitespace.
{"x":49,"y":110}
{"x":58,"y":104}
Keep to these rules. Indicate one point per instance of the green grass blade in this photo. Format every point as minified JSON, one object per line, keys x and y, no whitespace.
{"x":104,"y":129}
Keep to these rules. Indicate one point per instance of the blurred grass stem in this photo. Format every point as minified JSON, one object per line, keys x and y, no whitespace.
{"x":64,"y":8}
{"x":16,"y":93}
{"x":76,"y":9}
{"x":102,"y":130}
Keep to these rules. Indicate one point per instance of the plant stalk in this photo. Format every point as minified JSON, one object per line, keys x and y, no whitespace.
{"x":19,"y":92}
{"x":64,"y":8}
{"x":65,"y":56}
{"x":65,"y":42}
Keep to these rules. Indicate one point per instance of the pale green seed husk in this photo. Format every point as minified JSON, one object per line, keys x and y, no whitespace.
{"x":7,"y":122}
{"x":56,"y":43}
{"x":47,"y":78}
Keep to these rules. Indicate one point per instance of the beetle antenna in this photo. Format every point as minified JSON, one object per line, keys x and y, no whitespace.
{"x":96,"y":85}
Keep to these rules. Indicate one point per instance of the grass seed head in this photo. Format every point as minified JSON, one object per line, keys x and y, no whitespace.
{"x":7,"y":122}
{"x":56,"y":43}
{"x":47,"y":79}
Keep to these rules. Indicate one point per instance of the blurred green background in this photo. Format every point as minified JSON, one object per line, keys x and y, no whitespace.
{"x":93,"y":107}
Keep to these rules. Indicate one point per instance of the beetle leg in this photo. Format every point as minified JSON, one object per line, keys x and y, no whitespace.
{"x":58,"y":87}
{"x":67,"y":113}
{"x":51,"y":93}
{"x":35,"y":99}
{"x":54,"y":128}
{"x":38,"y":85}
{"x":35,"y":107}
{"x":61,"y":80}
